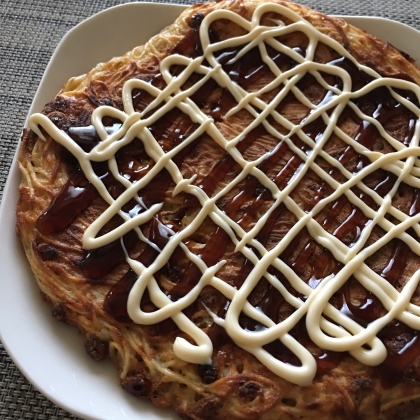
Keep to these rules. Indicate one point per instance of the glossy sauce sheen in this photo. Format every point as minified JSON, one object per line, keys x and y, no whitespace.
{"x":312,"y":285}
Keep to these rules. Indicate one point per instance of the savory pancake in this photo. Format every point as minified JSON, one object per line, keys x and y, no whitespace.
{"x":231,"y":213}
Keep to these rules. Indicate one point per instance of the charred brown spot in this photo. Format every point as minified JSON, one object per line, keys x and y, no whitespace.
{"x":312,"y":405}
{"x":95,"y":101}
{"x":58,"y":312}
{"x":290,"y":402}
{"x":175,"y":274}
{"x":137,"y":385}
{"x":208,"y":373}
{"x":364,"y":383}
{"x":209,"y":410}
{"x":60,"y":104}
{"x":196,"y":20}
{"x":46,"y":252}
{"x":59,"y":119}
{"x":249,"y":390}
{"x":96,"y":349}
{"x":65,"y":113}
{"x":108,"y":101}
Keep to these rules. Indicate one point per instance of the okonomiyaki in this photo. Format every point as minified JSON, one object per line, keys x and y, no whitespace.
{"x":231,"y":213}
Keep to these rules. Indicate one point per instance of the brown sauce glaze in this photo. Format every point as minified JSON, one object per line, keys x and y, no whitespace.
{"x":211,"y":253}
{"x":87,"y":137}
{"x":250,"y":68}
{"x":77,"y":194}
{"x":402,"y":342}
{"x":116,"y":301}
{"x":142,"y":98}
{"x":403,"y":347}
{"x":415,"y":203}
{"x":325,"y":360}
{"x":218,"y":336}
{"x":101,"y":261}
{"x":396,"y":263}
{"x":363,"y":309}
{"x":171,"y":131}
{"x":190,"y":45}
{"x":73,"y":198}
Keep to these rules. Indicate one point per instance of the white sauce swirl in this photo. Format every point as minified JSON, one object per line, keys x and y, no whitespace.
{"x":327,"y":326}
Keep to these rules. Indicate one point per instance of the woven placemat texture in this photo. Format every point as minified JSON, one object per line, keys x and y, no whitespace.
{"x":29,"y":33}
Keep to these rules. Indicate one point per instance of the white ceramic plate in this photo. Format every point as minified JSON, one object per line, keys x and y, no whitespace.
{"x":51,"y":354}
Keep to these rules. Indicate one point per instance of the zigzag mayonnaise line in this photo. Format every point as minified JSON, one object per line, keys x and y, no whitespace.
{"x":327,"y":326}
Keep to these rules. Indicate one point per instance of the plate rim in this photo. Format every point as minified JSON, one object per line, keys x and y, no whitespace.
{"x":10,"y":192}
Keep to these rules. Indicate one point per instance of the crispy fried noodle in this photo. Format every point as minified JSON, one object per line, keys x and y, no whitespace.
{"x":232,"y":213}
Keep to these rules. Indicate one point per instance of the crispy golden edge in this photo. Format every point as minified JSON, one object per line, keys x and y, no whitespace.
{"x":366,"y":48}
{"x":245,"y":390}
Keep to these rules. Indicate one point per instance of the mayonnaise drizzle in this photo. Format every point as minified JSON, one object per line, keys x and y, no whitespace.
{"x":328,"y":327}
